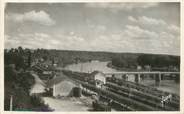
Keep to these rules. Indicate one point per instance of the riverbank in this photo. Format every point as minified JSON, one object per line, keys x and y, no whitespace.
{"x":109,"y":64}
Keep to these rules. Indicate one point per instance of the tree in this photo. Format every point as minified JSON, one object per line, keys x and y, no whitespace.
{"x":20,"y":50}
{"x":29,"y":58}
{"x":120,"y":62}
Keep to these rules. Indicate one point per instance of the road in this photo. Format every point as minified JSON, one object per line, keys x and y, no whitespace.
{"x":39,"y":86}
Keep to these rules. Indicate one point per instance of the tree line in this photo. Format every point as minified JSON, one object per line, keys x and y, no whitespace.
{"x":156,"y":61}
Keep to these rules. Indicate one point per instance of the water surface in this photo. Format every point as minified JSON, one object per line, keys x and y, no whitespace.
{"x":89,"y":67}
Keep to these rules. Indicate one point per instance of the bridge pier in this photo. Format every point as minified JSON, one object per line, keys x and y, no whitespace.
{"x":162,"y":77}
{"x":156,"y":76}
{"x":142,"y":76}
{"x":157,"y":79}
{"x":177,"y":78}
{"x":137,"y":78}
{"x":124,"y":77}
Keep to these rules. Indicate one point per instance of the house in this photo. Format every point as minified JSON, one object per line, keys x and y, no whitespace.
{"x":99,"y":77}
{"x":61,"y":85}
{"x":147,"y":67}
{"x":55,"y":65}
{"x":63,"y":88}
{"x":139,"y":67}
{"x":130,"y":77}
{"x":47,"y":72}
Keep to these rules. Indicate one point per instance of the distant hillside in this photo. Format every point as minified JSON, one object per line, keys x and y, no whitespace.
{"x":118,"y":59}
{"x":67,"y":57}
{"x":64,"y":57}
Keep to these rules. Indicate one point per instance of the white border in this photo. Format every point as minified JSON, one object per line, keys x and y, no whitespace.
{"x":2,"y":4}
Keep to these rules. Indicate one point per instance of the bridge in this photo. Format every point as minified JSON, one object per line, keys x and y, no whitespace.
{"x":157,"y":75}
{"x":142,"y":72}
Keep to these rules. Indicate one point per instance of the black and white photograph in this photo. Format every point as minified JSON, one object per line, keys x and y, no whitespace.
{"x":92,"y":56}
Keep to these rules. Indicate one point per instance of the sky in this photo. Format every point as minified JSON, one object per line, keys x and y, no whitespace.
{"x":112,"y":27}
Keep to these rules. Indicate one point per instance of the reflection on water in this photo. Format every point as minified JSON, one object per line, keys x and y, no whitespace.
{"x":89,"y":67}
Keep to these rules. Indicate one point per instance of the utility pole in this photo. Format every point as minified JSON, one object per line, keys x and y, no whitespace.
{"x":54,"y":90}
{"x":54,"y":93}
{"x":11,"y":103}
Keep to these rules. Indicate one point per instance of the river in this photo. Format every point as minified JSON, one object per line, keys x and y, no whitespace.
{"x":89,"y":67}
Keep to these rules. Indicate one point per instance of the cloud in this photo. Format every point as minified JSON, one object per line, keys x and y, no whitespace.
{"x":132,"y":19}
{"x":28,"y":40}
{"x":43,"y":35}
{"x":151,"y":21}
{"x":147,"y":20}
{"x":43,"y":40}
{"x":96,"y":28}
{"x":174,"y":29}
{"x":137,"y":32}
{"x":121,"y":6}
{"x":130,"y":39}
{"x":155,"y":24}
{"x":135,"y":39}
{"x":40,"y":17}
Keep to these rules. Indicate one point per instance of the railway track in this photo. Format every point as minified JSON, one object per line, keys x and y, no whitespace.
{"x":122,"y":99}
{"x":145,"y":89}
{"x":127,"y":95}
{"x":141,"y":97}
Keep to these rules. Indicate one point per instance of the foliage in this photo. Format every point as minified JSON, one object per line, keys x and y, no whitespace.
{"x":125,"y":60}
{"x":19,"y":82}
{"x":146,"y":59}
{"x":159,"y":60}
